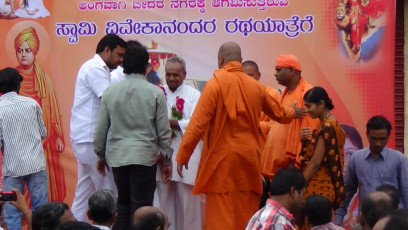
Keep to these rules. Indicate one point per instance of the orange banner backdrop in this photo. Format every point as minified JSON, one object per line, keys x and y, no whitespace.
{"x":345,"y":46}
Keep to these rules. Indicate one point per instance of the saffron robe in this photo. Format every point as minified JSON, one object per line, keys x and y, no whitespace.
{"x":265,"y":121}
{"x":227,"y":114}
{"x":283,"y":143}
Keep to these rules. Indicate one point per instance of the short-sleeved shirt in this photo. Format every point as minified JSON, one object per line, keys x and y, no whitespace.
{"x":272,"y":216}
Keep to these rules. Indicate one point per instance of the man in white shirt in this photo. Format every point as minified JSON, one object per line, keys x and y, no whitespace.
{"x":175,"y":198}
{"x":92,"y":80}
{"x":117,"y":75}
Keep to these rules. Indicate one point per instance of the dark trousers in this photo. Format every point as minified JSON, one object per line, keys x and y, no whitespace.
{"x":136,"y":185}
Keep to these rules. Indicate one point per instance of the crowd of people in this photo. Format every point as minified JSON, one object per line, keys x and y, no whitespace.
{"x":238,"y":155}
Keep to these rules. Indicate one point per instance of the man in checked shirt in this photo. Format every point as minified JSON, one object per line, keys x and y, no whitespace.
{"x":21,"y":132}
{"x":285,"y":198}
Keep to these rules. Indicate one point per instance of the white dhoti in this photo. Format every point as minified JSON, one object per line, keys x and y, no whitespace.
{"x":185,"y":210}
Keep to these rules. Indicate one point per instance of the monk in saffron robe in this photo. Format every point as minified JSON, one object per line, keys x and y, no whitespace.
{"x":283,"y":144}
{"x":252,"y":69}
{"x":38,"y":85}
{"x":227,"y":115}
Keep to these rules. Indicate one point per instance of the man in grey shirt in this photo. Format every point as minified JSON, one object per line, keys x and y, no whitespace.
{"x":376,"y":165}
{"x":132,"y":128}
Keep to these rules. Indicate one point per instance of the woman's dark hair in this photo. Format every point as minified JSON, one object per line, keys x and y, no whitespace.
{"x":10,"y":80}
{"x":317,"y":94}
{"x":135,"y":59}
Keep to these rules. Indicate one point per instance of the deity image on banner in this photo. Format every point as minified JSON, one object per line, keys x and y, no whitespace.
{"x":352,"y":143}
{"x":7,"y":9}
{"x":361,"y":25}
{"x":39,"y":86}
{"x":26,"y":9}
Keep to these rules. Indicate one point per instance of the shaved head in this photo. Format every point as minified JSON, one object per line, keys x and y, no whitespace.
{"x":250,"y":63}
{"x":228,"y":52}
{"x":251,"y":68}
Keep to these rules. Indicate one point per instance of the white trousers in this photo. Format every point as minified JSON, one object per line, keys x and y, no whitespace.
{"x":185,"y":210}
{"x":89,"y":179}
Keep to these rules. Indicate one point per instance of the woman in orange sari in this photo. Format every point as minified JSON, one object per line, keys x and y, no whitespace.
{"x":322,"y":154}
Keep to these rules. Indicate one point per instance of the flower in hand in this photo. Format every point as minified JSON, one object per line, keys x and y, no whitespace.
{"x":177,"y":112}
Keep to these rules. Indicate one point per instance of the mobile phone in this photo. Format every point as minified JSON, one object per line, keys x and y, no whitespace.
{"x":8,"y":196}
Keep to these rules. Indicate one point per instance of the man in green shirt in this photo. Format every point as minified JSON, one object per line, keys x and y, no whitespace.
{"x":132,"y":128}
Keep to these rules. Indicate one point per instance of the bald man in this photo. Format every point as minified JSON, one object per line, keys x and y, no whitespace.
{"x":283,"y":144}
{"x":227,"y":115}
{"x":252,"y":69}
{"x":150,"y":218}
{"x":374,"y":206}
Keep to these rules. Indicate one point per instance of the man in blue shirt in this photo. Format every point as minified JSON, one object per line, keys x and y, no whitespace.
{"x":376,"y":165}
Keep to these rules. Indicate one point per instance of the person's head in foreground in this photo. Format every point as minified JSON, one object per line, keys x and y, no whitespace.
{"x":374,"y":206}
{"x":10,"y":80}
{"x":287,"y":188}
{"x":150,"y":218}
{"x":102,"y":207}
{"x":50,"y":215}
{"x":393,"y":192}
{"x":76,"y":225}
{"x":397,"y":220}
{"x":318,"y":210}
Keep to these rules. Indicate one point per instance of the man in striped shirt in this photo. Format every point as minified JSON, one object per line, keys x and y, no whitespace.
{"x":286,"y":198}
{"x":21,"y":132}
